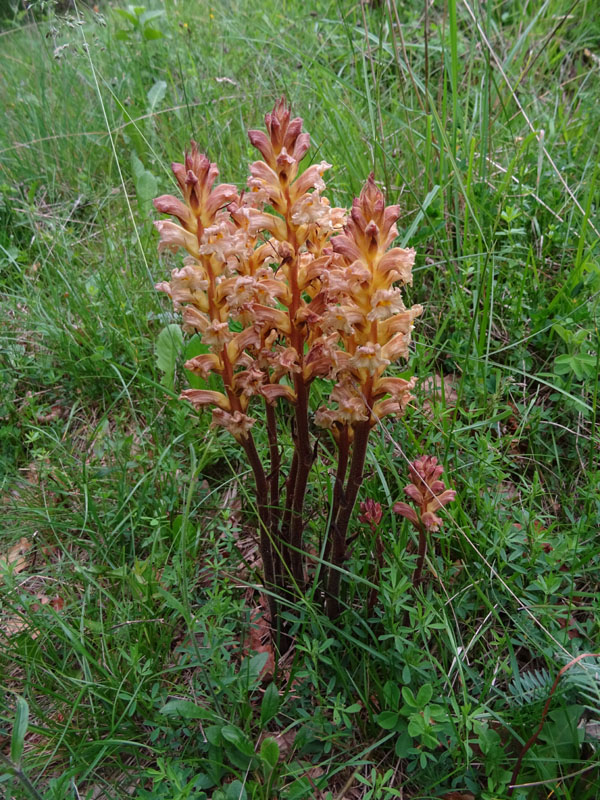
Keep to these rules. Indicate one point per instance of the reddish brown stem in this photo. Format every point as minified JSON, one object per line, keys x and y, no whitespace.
{"x":287,"y":514}
{"x":303,"y":454}
{"x":264,"y":500}
{"x":340,"y":529}
{"x":418,"y":573}
{"x":342,"y":468}
{"x":304,"y":462}
{"x":264,"y":520}
{"x":274,"y":509}
{"x":275,"y":461}
{"x":343,"y":445}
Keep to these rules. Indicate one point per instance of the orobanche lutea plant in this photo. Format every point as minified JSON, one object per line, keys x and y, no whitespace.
{"x":284,"y":290}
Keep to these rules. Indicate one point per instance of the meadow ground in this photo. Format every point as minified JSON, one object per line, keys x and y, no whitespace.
{"x":132,"y":657}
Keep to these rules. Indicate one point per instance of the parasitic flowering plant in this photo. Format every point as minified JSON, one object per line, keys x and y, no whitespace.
{"x":285,"y":290}
{"x":428,"y":494}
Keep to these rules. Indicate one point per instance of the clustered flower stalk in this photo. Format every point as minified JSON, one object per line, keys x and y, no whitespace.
{"x":285,"y":289}
{"x":428,"y":494}
{"x":370,"y":514}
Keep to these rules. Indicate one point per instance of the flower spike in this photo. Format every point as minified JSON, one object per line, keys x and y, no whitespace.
{"x":283,"y":289}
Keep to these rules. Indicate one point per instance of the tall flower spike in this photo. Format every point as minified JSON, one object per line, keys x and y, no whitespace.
{"x":217,"y":243}
{"x":370,"y":513}
{"x":427,"y":492}
{"x":279,"y":298}
{"x":374,"y":326}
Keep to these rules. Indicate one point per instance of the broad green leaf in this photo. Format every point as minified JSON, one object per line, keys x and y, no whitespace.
{"x":193,"y":348}
{"x":353,"y":709}
{"x":424,"y":695}
{"x":387,"y":720}
{"x":237,"y":737}
{"x":563,"y":332}
{"x":187,"y":710}
{"x":586,"y":364}
{"x":580,"y":336}
{"x":488,"y":740}
{"x":391,"y":693}
{"x":152,"y":33}
{"x":137,"y":166}
{"x":236,"y":791}
{"x":126,"y":15}
{"x":409,"y":697}
{"x":404,"y":745}
{"x":146,"y":187}
{"x":578,"y":368}
{"x":562,"y":365}
{"x":582,"y":365}
{"x":156,"y":94}
{"x":213,"y":735}
{"x":17,"y":741}
{"x":269,"y":752}
{"x":561,"y":736}
{"x":253,"y":667}
{"x":270,"y":705}
{"x":168,"y":347}
{"x":149,"y":15}
{"x":417,"y":725}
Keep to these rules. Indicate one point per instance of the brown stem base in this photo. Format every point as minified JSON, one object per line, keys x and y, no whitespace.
{"x":340,"y":524}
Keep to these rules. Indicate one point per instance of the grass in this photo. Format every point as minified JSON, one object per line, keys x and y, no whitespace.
{"x":128,"y":614}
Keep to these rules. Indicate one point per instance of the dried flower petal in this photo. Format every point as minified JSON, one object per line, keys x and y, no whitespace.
{"x":309,"y":208}
{"x":237,"y":424}
{"x":310,"y":179}
{"x":173,"y":236}
{"x":399,"y":262}
{"x":200,"y":398}
{"x":384,"y":303}
{"x":272,"y":391}
{"x":217,"y":335}
{"x":167,"y":204}
{"x":204,"y":364}
{"x":406,"y":511}
{"x":249,"y":382}
{"x":369,"y":357}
